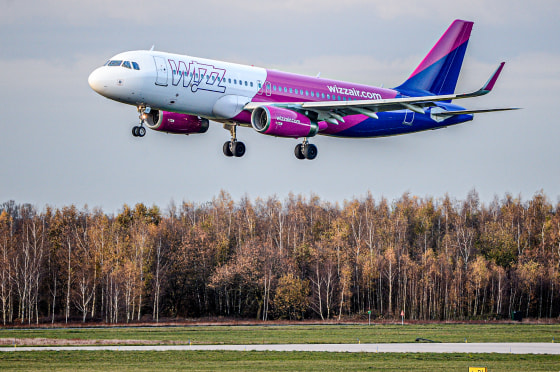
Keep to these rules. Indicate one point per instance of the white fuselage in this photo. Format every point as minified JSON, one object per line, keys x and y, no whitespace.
{"x":177,"y":83}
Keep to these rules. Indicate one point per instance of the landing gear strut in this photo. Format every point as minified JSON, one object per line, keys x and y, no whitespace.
{"x":139,"y":130}
{"x":233,"y":147}
{"x":305,"y":150}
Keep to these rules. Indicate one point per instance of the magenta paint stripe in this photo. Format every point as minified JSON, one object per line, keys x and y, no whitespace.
{"x":457,"y":34}
{"x":316,"y":85}
{"x":490,"y":85}
{"x":349,"y":122}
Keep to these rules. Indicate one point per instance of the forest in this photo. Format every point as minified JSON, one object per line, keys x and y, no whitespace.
{"x":266,"y":259}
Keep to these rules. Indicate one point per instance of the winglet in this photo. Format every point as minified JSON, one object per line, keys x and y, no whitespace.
{"x":486,"y":88}
{"x":490,"y":83}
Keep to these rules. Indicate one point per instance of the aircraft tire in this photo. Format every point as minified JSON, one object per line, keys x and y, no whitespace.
{"x":135,"y":131}
{"x":227,"y":149}
{"x":310,"y":152}
{"x":141,"y":131}
{"x":298,"y":152}
{"x":238,"y":149}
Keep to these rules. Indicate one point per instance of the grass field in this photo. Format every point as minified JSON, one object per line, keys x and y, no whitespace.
{"x":296,"y":334}
{"x":268,"y":361}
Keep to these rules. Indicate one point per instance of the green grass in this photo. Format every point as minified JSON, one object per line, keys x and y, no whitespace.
{"x":267,"y":361}
{"x":304,"y":333}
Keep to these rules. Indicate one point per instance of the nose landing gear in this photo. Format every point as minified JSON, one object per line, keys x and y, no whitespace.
{"x":139,"y":130}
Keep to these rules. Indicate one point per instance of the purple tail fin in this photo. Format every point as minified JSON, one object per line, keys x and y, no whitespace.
{"x":439,"y":71}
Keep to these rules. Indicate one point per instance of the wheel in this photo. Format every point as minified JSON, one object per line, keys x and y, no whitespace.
{"x":298,"y":152}
{"x":310,"y":151}
{"x":141,"y":131}
{"x":227,"y":150}
{"x":135,"y":131}
{"x":238,"y":149}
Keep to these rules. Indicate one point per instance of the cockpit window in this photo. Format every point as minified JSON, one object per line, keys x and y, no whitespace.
{"x":125,"y":64}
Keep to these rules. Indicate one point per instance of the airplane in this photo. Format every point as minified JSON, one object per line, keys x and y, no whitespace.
{"x":180,"y":94}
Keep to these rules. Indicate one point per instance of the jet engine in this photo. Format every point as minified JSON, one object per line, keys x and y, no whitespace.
{"x":171,"y":122}
{"x":281,"y":122}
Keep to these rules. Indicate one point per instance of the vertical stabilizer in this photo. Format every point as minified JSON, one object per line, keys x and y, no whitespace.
{"x":439,"y":71}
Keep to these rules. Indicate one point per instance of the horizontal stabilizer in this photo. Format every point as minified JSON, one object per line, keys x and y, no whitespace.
{"x":462,"y":112}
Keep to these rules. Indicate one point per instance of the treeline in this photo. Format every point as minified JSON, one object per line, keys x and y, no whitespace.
{"x":302,"y":257}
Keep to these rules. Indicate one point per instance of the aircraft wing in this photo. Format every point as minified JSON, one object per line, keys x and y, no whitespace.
{"x":371,"y":107}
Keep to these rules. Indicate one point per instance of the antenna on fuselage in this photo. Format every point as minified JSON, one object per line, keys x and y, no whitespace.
{"x":152,"y":48}
{"x":318,"y":75}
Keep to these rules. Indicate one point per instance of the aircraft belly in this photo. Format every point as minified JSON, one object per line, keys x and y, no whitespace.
{"x":388,"y":124}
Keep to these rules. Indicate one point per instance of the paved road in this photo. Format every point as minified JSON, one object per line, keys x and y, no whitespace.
{"x":500,"y":348}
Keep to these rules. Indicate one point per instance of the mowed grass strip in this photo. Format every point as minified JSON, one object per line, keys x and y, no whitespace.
{"x":305,"y":334}
{"x":267,"y":361}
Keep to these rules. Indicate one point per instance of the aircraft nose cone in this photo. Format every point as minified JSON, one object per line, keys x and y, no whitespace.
{"x":95,"y":81}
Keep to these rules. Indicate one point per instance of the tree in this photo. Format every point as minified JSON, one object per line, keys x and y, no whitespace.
{"x":6,"y":269}
{"x":290,"y":300}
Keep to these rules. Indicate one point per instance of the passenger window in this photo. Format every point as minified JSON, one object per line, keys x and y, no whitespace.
{"x":312,"y":94}
{"x":301,"y":92}
{"x":307,"y":93}
{"x":245,"y":83}
{"x":328,"y":96}
{"x":235,"y":81}
{"x":229,"y":81}
{"x":291,"y":90}
{"x":274,"y":88}
{"x":285,"y":90}
{"x":251,"y":84}
{"x":322,"y":95}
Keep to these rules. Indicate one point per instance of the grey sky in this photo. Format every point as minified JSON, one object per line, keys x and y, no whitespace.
{"x":61,"y":143}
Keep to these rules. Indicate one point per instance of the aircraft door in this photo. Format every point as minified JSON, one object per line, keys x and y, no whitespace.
{"x":408,"y":117}
{"x":161,"y":69}
{"x":268,"y":90}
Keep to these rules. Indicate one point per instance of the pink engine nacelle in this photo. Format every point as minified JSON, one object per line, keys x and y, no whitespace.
{"x":171,"y":122}
{"x":281,"y":122}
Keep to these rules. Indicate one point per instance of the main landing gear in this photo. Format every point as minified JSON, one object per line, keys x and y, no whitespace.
{"x":139,"y":130}
{"x":305,"y":150}
{"x":233,"y":147}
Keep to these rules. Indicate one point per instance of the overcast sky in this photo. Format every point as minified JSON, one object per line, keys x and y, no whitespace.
{"x":61,"y":143}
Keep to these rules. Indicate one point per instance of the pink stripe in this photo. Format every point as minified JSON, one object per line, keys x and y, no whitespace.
{"x":457,"y":34}
{"x":349,"y":122}
{"x":493,"y":79}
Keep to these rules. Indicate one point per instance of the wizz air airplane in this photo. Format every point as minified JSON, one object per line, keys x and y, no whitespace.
{"x":181,"y":94}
